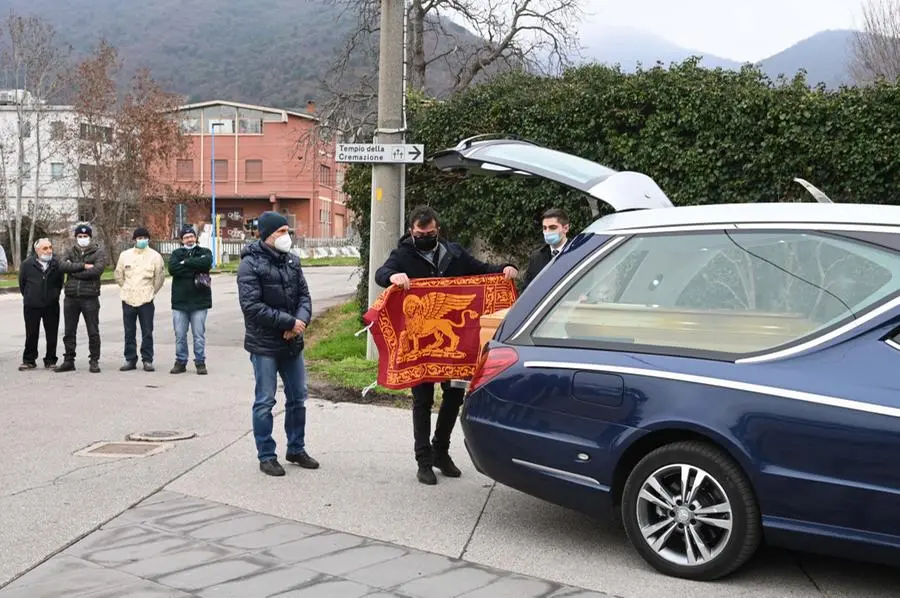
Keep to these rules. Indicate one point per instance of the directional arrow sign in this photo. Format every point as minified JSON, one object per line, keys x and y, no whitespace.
{"x":384,"y":153}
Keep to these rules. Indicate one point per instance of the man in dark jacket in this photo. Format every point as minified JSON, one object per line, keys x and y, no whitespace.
{"x":40,"y":283}
{"x":83,"y":264}
{"x":555,"y":223}
{"x":277,"y":309}
{"x":191,"y":298}
{"x":420,"y":254}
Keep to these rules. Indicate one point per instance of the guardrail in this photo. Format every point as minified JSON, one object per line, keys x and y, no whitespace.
{"x":303,"y":247}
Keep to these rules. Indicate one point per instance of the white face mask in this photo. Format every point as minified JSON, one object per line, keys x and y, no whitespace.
{"x":45,"y":257}
{"x":283,"y":243}
{"x":83,"y":241}
{"x":190,"y":245}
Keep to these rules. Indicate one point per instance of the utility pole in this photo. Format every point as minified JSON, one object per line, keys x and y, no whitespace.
{"x":385,"y":223}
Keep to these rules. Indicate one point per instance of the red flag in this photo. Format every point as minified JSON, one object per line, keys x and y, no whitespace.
{"x":430,"y":333}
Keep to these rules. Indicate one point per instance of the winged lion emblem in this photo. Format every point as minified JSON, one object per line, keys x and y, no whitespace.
{"x":425,"y":317}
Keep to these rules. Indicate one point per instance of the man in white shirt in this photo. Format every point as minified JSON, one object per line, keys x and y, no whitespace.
{"x":140,"y":273}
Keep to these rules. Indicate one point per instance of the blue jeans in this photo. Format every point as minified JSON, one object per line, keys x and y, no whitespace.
{"x":197,"y":321}
{"x":293,"y":375}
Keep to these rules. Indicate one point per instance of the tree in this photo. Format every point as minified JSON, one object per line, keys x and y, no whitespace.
{"x":122,"y":143}
{"x":876,"y":48}
{"x":35,"y":61}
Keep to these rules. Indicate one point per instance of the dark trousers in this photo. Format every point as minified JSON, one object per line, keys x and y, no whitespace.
{"x":33,"y":318}
{"x":130,"y":317}
{"x":423,"y":401}
{"x":89,"y":308}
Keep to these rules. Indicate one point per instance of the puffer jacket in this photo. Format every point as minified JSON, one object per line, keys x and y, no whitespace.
{"x":273,"y":295}
{"x":80,"y":282}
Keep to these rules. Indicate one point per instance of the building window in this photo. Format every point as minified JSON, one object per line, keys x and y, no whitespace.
{"x":56,"y":170}
{"x":26,"y":128}
{"x":95,"y":133}
{"x":57,"y":130}
{"x":86,"y":209}
{"x":190,"y":126}
{"x":184,"y":170}
{"x":26,"y":170}
{"x":250,"y":126}
{"x":221,"y":170}
{"x":87,"y":172}
{"x":324,"y":175}
{"x":254,"y":171}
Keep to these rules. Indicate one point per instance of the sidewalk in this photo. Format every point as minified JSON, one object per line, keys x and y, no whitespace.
{"x":173,"y":545}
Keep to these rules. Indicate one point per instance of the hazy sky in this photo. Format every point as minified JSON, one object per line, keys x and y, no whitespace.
{"x":743,"y":30}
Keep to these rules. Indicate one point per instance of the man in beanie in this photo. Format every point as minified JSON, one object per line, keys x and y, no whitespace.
{"x":277,"y":308}
{"x":140,"y":273}
{"x":83,"y":265}
{"x":191,"y":298}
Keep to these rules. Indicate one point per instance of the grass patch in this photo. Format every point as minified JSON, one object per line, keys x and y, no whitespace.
{"x":232,"y":266}
{"x":336,"y":357}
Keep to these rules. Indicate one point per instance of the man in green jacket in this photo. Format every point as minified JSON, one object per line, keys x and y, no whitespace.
{"x":189,"y":266}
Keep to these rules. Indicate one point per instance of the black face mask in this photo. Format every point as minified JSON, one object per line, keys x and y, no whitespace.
{"x":426,"y":243}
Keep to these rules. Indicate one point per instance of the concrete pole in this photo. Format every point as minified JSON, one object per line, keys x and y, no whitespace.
{"x":385,"y":222}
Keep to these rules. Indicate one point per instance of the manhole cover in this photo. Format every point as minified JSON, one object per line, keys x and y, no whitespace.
{"x":160,"y":436}
{"x":121,"y":449}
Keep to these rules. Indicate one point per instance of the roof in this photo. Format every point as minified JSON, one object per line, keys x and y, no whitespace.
{"x":283,"y":113}
{"x":751,"y":213}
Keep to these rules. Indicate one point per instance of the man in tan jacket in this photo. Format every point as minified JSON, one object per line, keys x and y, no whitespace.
{"x":140,"y":273}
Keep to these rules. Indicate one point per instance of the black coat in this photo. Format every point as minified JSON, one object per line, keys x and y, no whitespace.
{"x":452,"y":260}
{"x":79,"y":281}
{"x":537,"y":262}
{"x":184,"y":264}
{"x":273,"y":295}
{"x":40,"y":288}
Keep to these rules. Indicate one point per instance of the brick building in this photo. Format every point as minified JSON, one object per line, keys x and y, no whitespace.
{"x":264,"y":160}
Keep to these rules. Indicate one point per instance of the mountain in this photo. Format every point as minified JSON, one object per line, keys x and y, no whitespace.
{"x":825,"y":56}
{"x":270,"y":52}
{"x":627,"y":47}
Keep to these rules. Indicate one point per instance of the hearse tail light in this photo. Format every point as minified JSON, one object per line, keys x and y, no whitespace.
{"x":493,"y":362}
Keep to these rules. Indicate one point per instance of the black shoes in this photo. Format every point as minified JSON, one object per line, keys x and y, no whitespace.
{"x":201,"y":369}
{"x":65,"y":366}
{"x":27,"y":366}
{"x":425,"y":475}
{"x":148,"y":366}
{"x":447,"y":466}
{"x":128,"y":366}
{"x":303,"y":460}
{"x":94,"y":367}
{"x":178,"y":368}
{"x":271,"y":467}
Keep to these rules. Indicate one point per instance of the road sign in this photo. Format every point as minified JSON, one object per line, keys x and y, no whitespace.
{"x":383,"y":153}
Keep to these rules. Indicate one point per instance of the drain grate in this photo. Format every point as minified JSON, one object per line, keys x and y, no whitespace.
{"x":160,"y":436}
{"x":121,"y":449}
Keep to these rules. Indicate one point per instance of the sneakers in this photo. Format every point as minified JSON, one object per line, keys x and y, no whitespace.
{"x":94,"y":367}
{"x":65,"y":366}
{"x":27,"y":366}
{"x":178,"y":368}
{"x":271,"y":467}
{"x":128,"y":366}
{"x":201,"y":369}
{"x":148,"y":366}
{"x":426,"y":475}
{"x":447,"y":466}
{"x":303,"y":460}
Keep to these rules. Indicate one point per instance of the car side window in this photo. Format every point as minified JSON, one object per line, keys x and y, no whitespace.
{"x":731,"y":292}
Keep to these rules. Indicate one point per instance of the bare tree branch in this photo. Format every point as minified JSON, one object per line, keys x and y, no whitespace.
{"x":876,"y":48}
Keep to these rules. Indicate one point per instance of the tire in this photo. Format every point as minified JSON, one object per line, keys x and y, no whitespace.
{"x":722,"y":499}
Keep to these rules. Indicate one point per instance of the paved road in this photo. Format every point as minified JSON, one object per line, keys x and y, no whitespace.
{"x":51,"y":497}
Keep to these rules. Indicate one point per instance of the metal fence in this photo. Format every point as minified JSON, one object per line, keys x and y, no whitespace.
{"x":234,"y":248}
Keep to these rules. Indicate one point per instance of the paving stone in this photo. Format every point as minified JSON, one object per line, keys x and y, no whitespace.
{"x":449,"y":584}
{"x":235,"y":527}
{"x":211,"y":574}
{"x":183,"y":504}
{"x":152,"y":546}
{"x":399,"y":571}
{"x":65,"y":576}
{"x":571,"y":592}
{"x":345,"y":561}
{"x":514,"y":587}
{"x":173,"y":562}
{"x":141,"y":589}
{"x":315,"y":546}
{"x":273,"y":536}
{"x":187,"y":522}
{"x":329,"y":589}
{"x":267,"y":583}
{"x":104,"y":539}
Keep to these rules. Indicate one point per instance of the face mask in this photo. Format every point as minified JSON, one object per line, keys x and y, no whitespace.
{"x":190,"y":245}
{"x":426,"y":243}
{"x":552,"y":238}
{"x":83,"y":241}
{"x":142,"y":243}
{"x":283,"y":243}
{"x":45,"y":257}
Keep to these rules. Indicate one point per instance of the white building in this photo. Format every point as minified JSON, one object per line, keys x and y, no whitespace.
{"x":56,"y":178}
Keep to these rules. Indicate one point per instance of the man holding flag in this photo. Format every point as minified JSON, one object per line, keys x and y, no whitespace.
{"x":421,"y":254}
